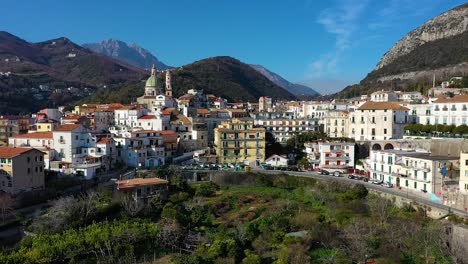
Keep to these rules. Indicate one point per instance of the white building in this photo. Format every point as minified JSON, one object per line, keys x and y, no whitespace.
{"x":158,"y":121}
{"x":450,"y":111}
{"x":412,"y":170}
{"x":128,"y":115}
{"x":277,"y":161}
{"x":315,"y":109}
{"x":42,"y":141}
{"x":378,"y":121}
{"x":384,"y":96}
{"x":331,"y":155}
{"x":409,"y":96}
{"x":141,"y":149}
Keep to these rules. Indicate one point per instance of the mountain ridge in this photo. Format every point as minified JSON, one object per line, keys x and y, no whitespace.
{"x":130,"y":53}
{"x":294,"y":88}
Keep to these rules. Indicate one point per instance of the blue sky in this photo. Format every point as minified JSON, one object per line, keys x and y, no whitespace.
{"x":325,"y":44}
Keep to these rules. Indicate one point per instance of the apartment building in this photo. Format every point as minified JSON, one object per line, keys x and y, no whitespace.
{"x":21,"y":169}
{"x":450,"y":111}
{"x":315,"y":109}
{"x":337,"y":124}
{"x":141,"y":149}
{"x":265,"y":104}
{"x":240,"y":141}
{"x":285,"y":125}
{"x":42,"y":141}
{"x":378,"y":121}
{"x":11,"y":126}
{"x":331,"y":155}
{"x":416,"y":171}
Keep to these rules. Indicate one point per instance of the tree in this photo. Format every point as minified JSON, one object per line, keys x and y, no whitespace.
{"x":6,"y":205}
{"x":131,"y":205}
{"x":381,"y":208}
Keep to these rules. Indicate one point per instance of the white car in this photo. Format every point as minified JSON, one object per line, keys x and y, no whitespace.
{"x":388,"y":185}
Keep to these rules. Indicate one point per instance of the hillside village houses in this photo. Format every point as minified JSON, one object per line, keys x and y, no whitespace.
{"x":161,"y":128}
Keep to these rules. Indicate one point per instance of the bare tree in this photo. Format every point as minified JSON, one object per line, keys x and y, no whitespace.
{"x":381,"y":207}
{"x":6,"y":205}
{"x":358,"y":234}
{"x":131,"y":205}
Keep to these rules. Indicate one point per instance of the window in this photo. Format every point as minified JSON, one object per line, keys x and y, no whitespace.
{"x":466,"y":162}
{"x":406,"y":183}
{"x":29,"y":170}
{"x":28,"y":159}
{"x":385,"y":131}
{"x":415,"y":185}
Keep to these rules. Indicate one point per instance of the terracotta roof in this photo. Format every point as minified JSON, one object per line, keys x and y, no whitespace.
{"x":72,"y":117}
{"x":186,"y":97}
{"x":166,"y":112}
{"x":10,"y":152}
{"x":147,"y":117}
{"x":167,"y":132}
{"x":461,"y":98}
{"x":68,"y":127}
{"x":132,"y":183}
{"x":35,"y":135}
{"x":203,"y":111}
{"x":104,"y":140}
{"x":127,"y":107}
{"x":382,"y":106}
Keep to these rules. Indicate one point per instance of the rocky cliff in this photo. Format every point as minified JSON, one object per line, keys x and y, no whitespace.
{"x":445,"y":25}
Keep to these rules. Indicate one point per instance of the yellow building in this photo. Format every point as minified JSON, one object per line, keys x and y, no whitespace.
{"x":46,"y":125}
{"x":240,"y":142}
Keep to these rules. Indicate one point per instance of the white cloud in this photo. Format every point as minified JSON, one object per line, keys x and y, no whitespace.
{"x":341,"y":21}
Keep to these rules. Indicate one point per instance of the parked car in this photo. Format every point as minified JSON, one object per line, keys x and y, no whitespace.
{"x":377,"y":182}
{"x":324,"y":172}
{"x":354,"y":176}
{"x":336,"y":174}
{"x":388,"y":185}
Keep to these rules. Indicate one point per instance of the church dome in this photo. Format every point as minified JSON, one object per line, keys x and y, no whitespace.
{"x":152,"y":80}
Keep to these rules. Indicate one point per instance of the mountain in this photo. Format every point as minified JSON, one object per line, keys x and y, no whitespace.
{"x":42,"y":74}
{"x":296,"y":89}
{"x":222,"y":76}
{"x":129,"y":53}
{"x":61,"y":59}
{"x":439,"y":48}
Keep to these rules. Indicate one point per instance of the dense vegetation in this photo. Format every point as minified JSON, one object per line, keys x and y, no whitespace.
{"x":274,"y":219}
{"x":431,"y":129}
{"x":226,"y":77}
{"x":124,"y":93}
{"x":431,"y":55}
